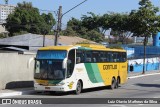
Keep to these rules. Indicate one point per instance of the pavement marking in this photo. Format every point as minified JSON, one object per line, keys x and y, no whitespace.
{"x":141,"y":104}
{"x":131,"y":77}
{"x":157,"y":80}
{"x":156,"y":97}
{"x":118,"y":105}
{"x":10,"y":94}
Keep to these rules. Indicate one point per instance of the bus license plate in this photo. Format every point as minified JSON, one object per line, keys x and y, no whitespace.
{"x":48,"y":88}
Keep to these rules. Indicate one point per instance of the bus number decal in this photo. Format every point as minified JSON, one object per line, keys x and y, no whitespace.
{"x":107,"y":67}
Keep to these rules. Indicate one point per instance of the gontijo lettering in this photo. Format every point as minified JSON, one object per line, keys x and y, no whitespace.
{"x":106,"y":67}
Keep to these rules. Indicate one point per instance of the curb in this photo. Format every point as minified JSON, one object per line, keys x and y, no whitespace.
{"x":16,"y":93}
{"x":138,"y":76}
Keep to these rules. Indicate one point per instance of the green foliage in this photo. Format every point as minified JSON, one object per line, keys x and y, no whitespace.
{"x":20,"y":33}
{"x":83,"y":29}
{"x":26,"y":18}
{"x":69,"y":32}
{"x":141,"y":22}
{"x":94,"y":36}
{"x":2,"y":35}
{"x":116,"y":47}
{"x":91,"y":22}
{"x":144,"y":21}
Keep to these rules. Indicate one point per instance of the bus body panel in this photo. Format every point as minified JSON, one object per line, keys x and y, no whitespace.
{"x":91,"y":74}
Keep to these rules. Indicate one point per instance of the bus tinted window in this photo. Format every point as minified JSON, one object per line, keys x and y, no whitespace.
{"x":88,"y":56}
{"x":102,"y":56}
{"x":95,"y":56}
{"x":80,"y":56}
{"x":99,"y":56}
{"x":110,"y":56}
{"x":124,"y":57}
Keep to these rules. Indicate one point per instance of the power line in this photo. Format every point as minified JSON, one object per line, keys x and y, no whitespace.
{"x":73,"y":8}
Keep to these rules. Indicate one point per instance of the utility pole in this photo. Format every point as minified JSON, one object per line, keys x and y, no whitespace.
{"x":43,"y":40}
{"x":60,"y":15}
{"x":144,"y":58}
{"x":58,"y":25}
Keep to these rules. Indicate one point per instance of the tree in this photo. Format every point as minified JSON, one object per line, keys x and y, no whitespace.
{"x":82,"y":29}
{"x":90,"y":22}
{"x":144,"y":22}
{"x":26,"y":18}
{"x":118,"y":22}
{"x":95,"y":36}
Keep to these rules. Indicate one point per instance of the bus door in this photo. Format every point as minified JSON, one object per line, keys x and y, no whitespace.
{"x":70,"y":63}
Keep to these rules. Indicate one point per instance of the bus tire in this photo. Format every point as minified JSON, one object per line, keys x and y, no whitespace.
{"x":113,"y":83}
{"x":118,"y":82}
{"x":78,"y":88}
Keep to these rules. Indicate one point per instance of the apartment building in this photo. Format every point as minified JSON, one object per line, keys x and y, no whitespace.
{"x":5,"y":10}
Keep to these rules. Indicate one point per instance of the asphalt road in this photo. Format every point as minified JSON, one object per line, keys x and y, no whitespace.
{"x":143,"y":87}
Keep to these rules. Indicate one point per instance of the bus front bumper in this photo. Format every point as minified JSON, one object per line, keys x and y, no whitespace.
{"x":62,"y":88}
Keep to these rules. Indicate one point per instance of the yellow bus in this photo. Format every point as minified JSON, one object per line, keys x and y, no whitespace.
{"x":77,"y":67}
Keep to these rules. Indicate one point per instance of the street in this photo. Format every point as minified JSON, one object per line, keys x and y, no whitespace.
{"x":142,"y":87}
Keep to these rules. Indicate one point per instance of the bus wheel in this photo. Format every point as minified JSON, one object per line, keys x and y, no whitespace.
{"x":118,"y":82}
{"x":78,"y":88}
{"x":113,"y":83}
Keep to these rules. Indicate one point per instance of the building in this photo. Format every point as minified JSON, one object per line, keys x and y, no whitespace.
{"x":32,"y":42}
{"x":5,"y":10}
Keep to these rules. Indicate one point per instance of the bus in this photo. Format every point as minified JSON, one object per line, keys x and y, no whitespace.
{"x":77,"y":67}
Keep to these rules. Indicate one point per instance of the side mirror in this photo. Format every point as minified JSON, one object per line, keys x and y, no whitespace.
{"x":64,"y":65}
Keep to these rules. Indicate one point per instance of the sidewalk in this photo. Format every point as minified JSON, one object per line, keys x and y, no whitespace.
{"x":21,"y":91}
{"x":139,"y":74}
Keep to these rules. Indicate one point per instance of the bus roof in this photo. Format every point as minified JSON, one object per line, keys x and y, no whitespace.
{"x":81,"y":46}
{"x":56,"y":47}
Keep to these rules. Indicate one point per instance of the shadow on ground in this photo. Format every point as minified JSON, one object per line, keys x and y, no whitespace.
{"x":148,"y":85}
{"x":19,"y":84}
{"x":72,"y":93}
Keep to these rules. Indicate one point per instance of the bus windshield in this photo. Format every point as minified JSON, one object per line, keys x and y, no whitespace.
{"x":48,"y":65}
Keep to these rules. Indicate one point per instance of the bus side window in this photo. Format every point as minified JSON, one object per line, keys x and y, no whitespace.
{"x":107,"y":56}
{"x":118,"y":56}
{"x":95,"y":56}
{"x":102,"y":57}
{"x":110,"y":55}
{"x":124,"y":57}
{"x":121,"y":59}
{"x":80,"y":56}
{"x":115,"y":57}
{"x":88,"y":56}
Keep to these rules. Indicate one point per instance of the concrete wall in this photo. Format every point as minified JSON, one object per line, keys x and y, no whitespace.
{"x":16,"y":70}
{"x":2,"y":29}
{"x":150,"y":64}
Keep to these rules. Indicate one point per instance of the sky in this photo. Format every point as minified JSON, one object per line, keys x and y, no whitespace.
{"x":99,"y":7}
